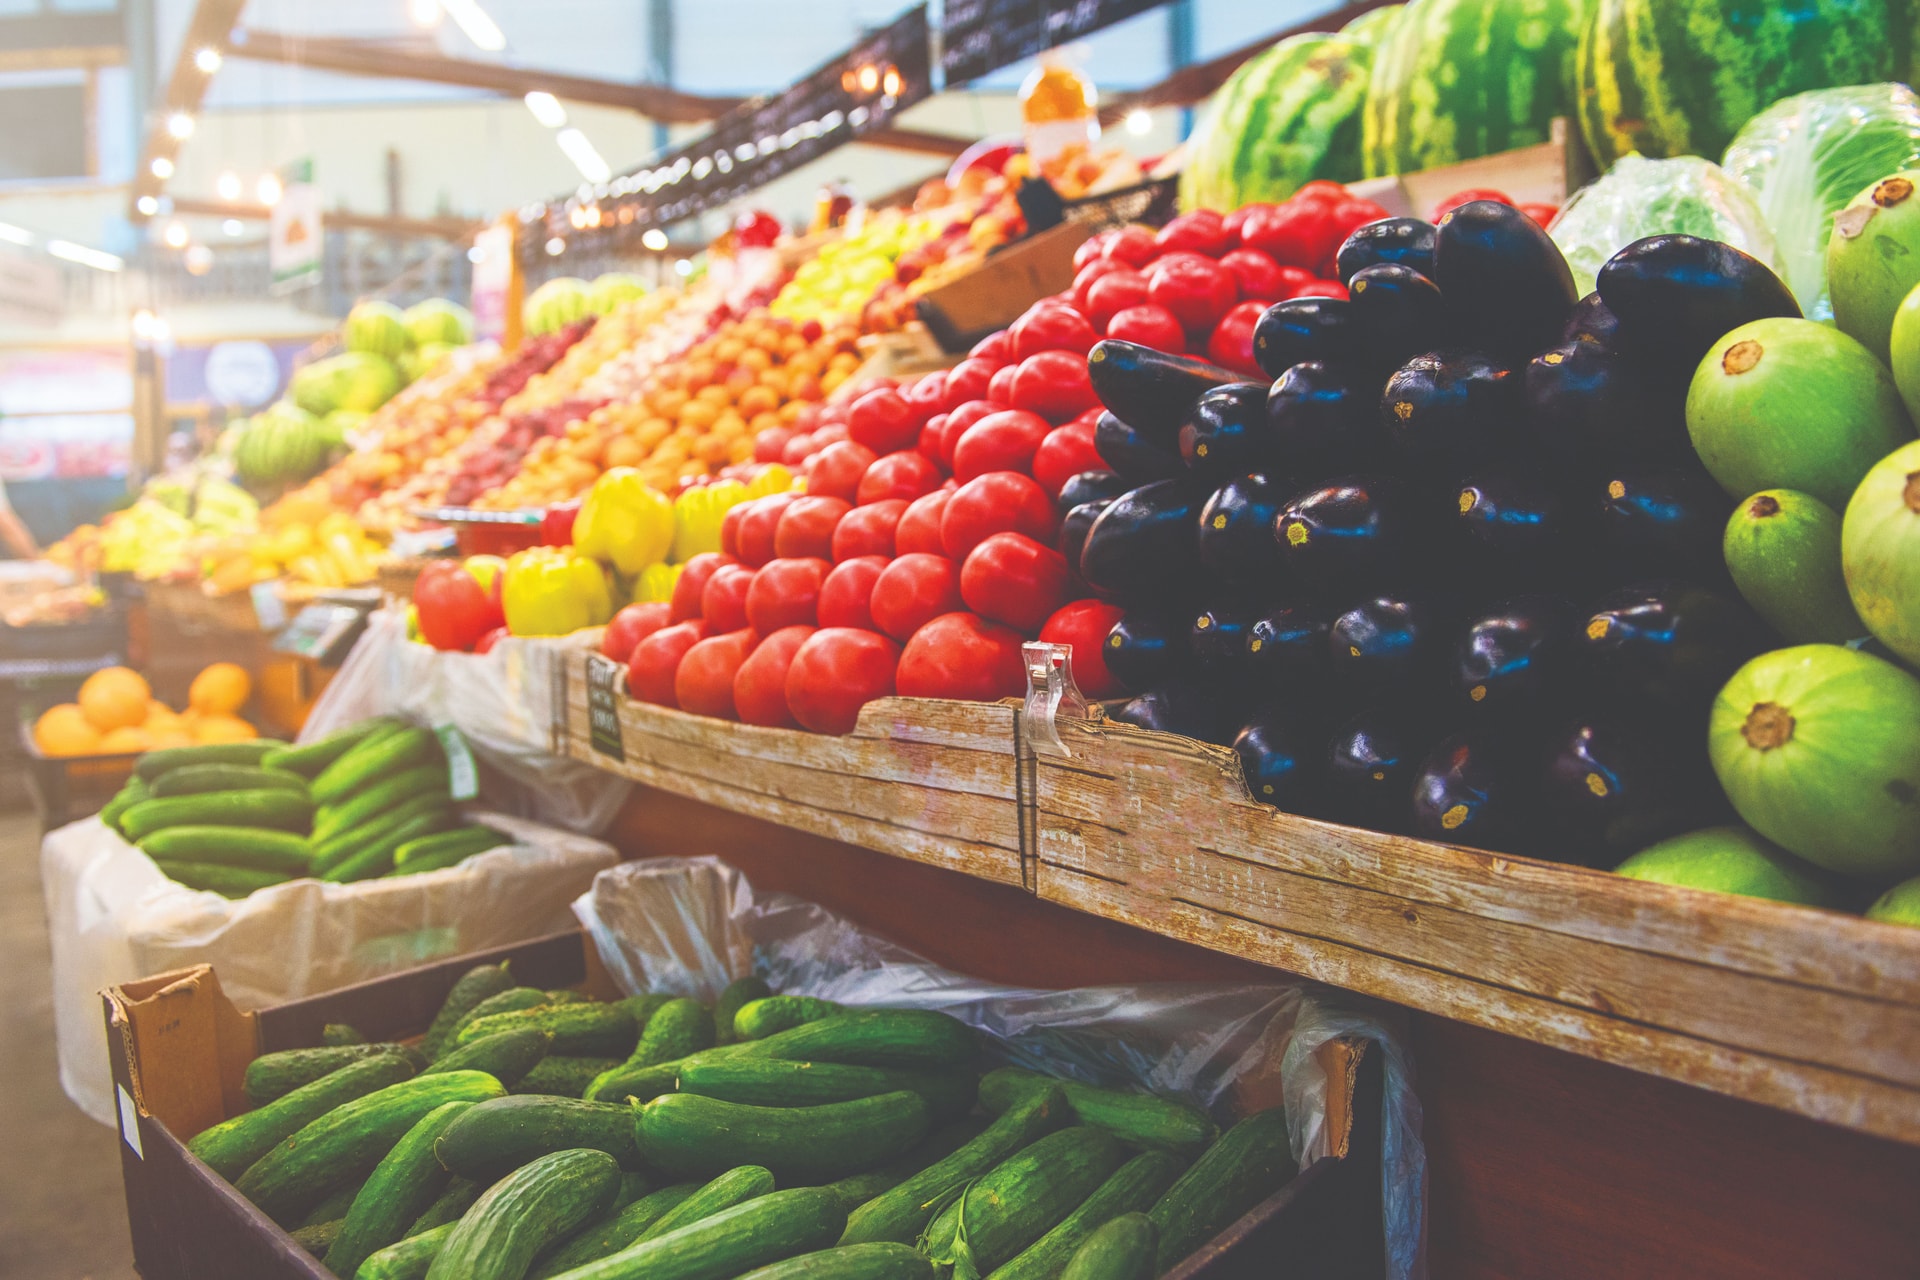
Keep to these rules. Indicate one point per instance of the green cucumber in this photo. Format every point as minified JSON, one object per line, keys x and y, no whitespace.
{"x":1124,"y":1249}
{"x":904,"y":1212}
{"x":687,"y":1134}
{"x":874,"y":1038}
{"x":505,"y":1133}
{"x":563,"y":1076}
{"x":154,"y":763}
{"x":318,"y":1238}
{"x":562,"y":995}
{"x":128,"y":796}
{"x":881,"y":1260}
{"x":1144,"y":1119}
{"x":445,"y":849}
{"x":858,"y":1188}
{"x":1250,"y":1162}
{"x":454,"y":1201}
{"x":642,"y":1084}
{"x":274,"y":1075}
{"x":473,"y":986}
{"x":507,"y":1001}
{"x":198,"y":779}
{"x":426,"y":779}
{"x":739,"y":992}
{"x":259,"y":848}
{"x":734,"y":1187}
{"x":585,"y":1029}
{"x":372,"y":760}
{"x":334,"y":1207}
{"x":643,"y":1008}
{"x":773,"y":1082}
{"x":407,"y":1180}
{"x":309,"y":760}
{"x":332,"y":850}
{"x":507,"y":1056}
{"x":1133,"y":1188}
{"x":766,"y":1229}
{"x":347,"y":1142}
{"x":758,"y":1019}
{"x":230,"y":1147}
{"x":411,"y":1258}
{"x":338,"y":1035}
{"x":673,"y":1030}
{"x":228,"y":882}
{"x":525,"y":1212}
{"x":376,"y":858}
{"x":1023,"y":1197}
{"x":612,"y":1232}
{"x":260,"y":808}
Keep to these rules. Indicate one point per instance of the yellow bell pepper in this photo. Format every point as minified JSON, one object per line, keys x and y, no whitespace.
{"x":655,"y":583}
{"x":697,"y":514}
{"x":774,"y":478}
{"x":554,"y":591}
{"x":624,"y":522}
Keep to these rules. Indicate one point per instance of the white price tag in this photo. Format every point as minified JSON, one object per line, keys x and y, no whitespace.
{"x":463,"y":775}
{"x":268,"y":607}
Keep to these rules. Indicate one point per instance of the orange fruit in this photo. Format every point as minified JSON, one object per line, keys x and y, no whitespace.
{"x":160,"y":717}
{"x":626,"y":452}
{"x":115,"y":698}
{"x":164,"y":738}
{"x":220,"y":689}
{"x":64,"y":731}
{"x":223,"y":728}
{"x":126,"y":740}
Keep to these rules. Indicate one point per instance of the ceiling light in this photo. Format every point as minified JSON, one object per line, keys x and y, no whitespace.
{"x":1139,"y":122}
{"x":144,"y":322}
{"x":476,"y":255}
{"x":231,"y":227}
{"x":228,"y":185}
{"x":546,"y":109}
{"x":587,"y":160}
{"x":162,"y":168}
{"x":147,"y":205}
{"x":176,"y":235}
{"x":683,"y":266}
{"x":180,"y":126}
{"x":15,"y":235}
{"x":473,"y":20}
{"x":425,"y":13}
{"x":268,"y":189}
{"x":86,"y":257}
{"x":208,"y":60}
{"x":199,"y":260}
{"x":556,"y":247}
{"x":655,"y":239}
{"x":869,"y":78}
{"x":890,"y":83}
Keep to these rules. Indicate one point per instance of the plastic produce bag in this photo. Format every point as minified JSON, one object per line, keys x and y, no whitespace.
{"x":503,"y":703}
{"x":114,"y":917}
{"x":690,"y":925}
{"x":1805,"y":157}
{"x":1639,"y":198}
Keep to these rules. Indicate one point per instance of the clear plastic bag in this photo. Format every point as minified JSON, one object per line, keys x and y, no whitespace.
{"x":1806,"y":157}
{"x":1639,"y":198}
{"x":691,"y":925}
{"x":503,"y":704}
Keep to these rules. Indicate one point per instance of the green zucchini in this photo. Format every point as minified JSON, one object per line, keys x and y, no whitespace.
{"x":563,"y":1076}
{"x":918,"y":1038}
{"x":128,"y":796}
{"x":259,"y":808}
{"x":318,"y":1238}
{"x":274,"y":1075}
{"x":198,"y":779}
{"x":739,"y":992}
{"x":154,"y":763}
{"x":1023,"y":1197}
{"x":425,"y":779}
{"x":330,"y":851}
{"x":758,"y":1019}
{"x":507,"y":1056}
{"x":411,"y":1258}
{"x":504,"y":1133}
{"x":1124,"y":1249}
{"x":525,"y":1212}
{"x":499,"y":1002}
{"x":473,"y":986}
{"x":612,"y":1232}
{"x":372,"y":760}
{"x":1133,"y":1188}
{"x":454,"y":1201}
{"x":407,"y":1180}
{"x":347,"y":1142}
{"x":228,"y":882}
{"x":766,"y":1229}
{"x":258,"y":848}
{"x":686,"y":1134}
{"x":445,"y":849}
{"x":230,"y":1147}
{"x":579,"y":1030}
{"x":881,"y":1260}
{"x":773,"y":1082}
{"x":1144,"y":1119}
{"x":376,"y":858}
{"x":904,"y":1212}
{"x":1250,"y":1162}
{"x":309,"y":760}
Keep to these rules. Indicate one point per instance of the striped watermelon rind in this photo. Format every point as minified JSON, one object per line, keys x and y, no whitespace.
{"x":1375,"y":26}
{"x":1465,"y":78}
{"x":1289,"y":116}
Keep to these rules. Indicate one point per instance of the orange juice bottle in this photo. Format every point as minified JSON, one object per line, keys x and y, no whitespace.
{"x":1059,"y":107}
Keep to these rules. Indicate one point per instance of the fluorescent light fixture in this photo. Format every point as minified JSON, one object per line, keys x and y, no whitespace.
{"x":587,"y":160}
{"x":269,"y":190}
{"x":425,"y":13}
{"x":180,"y":126}
{"x":176,"y":235}
{"x":147,"y":205}
{"x":1139,"y":122}
{"x":546,"y":109}
{"x":228,"y":185}
{"x":15,"y":235}
{"x":231,"y":227}
{"x":473,"y":20}
{"x":655,"y":239}
{"x":208,"y":60}
{"x":86,"y":257}
{"x":162,"y":168}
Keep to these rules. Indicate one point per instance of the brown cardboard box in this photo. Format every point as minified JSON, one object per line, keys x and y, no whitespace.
{"x":180,"y":1049}
{"x":994,"y":294}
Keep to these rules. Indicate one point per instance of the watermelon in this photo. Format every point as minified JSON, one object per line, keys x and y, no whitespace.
{"x":437,"y":320}
{"x":555,"y":305}
{"x":1464,"y":78}
{"x":281,"y":444}
{"x":612,"y":289}
{"x":376,"y":328}
{"x":1289,"y":115}
{"x":351,"y":380}
{"x":1680,"y":77}
{"x":1374,"y":26}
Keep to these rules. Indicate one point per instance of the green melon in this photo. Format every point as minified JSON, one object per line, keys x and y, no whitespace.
{"x":1464,"y":78}
{"x":1730,"y":860}
{"x":1898,"y":905}
{"x":356,"y":380}
{"x":1373,"y":27}
{"x":615,"y":287}
{"x":1289,"y":115}
{"x":1818,"y":748}
{"x":281,"y":443}
{"x":439,"y":321}
{"x":376,"y":328}
{"x":1880,"y":551}
{"x":1783,"y":550}
{"x":556,"y":304}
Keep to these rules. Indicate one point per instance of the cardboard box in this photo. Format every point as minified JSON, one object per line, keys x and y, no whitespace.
{"x":994,"y":294}
{"x":180,"y":1049}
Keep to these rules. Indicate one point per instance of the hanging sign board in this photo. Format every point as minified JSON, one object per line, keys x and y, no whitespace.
{"x":979,"y":36}
{"x":295,"y":245}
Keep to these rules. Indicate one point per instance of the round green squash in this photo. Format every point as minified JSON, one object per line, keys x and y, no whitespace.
{"x":1880,"y":551}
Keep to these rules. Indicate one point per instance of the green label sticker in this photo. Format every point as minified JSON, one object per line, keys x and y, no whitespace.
{"x":604,"y":678}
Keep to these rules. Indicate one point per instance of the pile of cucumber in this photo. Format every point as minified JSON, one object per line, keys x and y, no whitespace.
{"x":236,"y":817}
{"x":541,"y":1135}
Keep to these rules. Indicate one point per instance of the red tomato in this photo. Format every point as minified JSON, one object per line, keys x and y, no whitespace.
{"x":1300,"y":233}
{"x":960,"y":656}
{"x":1321,"y":289}
{"x":1092,"y":249}
{"x":996,"y":347}
{"x":919,"y":527}
{"x":1055,"y":327}
{"x":1294,"y":279}
{"x":1083,"y":626}
{"x":1150,"y":326}
{"x":730,"y":529}
{"x":1064,"y":454}
{"x":655,"y":660}
{"x":692,"y":583}
{"x":834,"y":673}
{"x":1053,"y":384}
{"x":1231,"y":346}
{"x":1468,"y":196}
{"x":847,"y":593}
{"x":1202,"y":231}
{"x":760,"y":686}
{"x":703,"y":683}
{"x":929,"y":445}
{"x":723,"y":605}
{"x":1541,"y":213}
{"x":785,"y":593}
{"x":453,"y":608}
{"x":1113,"y":293}
{"x":632,"y":625}
{"x":798,"y":449}
{"x":912,"y":591}
{"x":957,"y":423}
{"x":1320,"y":191}
{"x":1197,"y":291}
{"x":867,"y":530}
{"x":968,"y":380}
{"x":1232,"y":223}
{"x":998,"y":502}
{"x":883,"y":421}
{"x":486,"y":642}
{"x":837,"y":470}
{"x":758,"y":526}
{"x":770,"y":443}
{"x":806,"y":526}
{"x":928,"y":395}
{"x":1013,"y":579}
{"x":1085,"y":279}
{"x":1000,"y":386}
{"x":1133,"y":244}
{"x":1003,"y":441}
{"x":904,"y":475}
{"x":828,"y":433}
{"x":1257,"y":275}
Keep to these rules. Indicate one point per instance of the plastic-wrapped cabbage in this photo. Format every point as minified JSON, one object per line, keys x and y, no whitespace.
{"x":1639,"y":198}
{"x":1804,"y":157}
